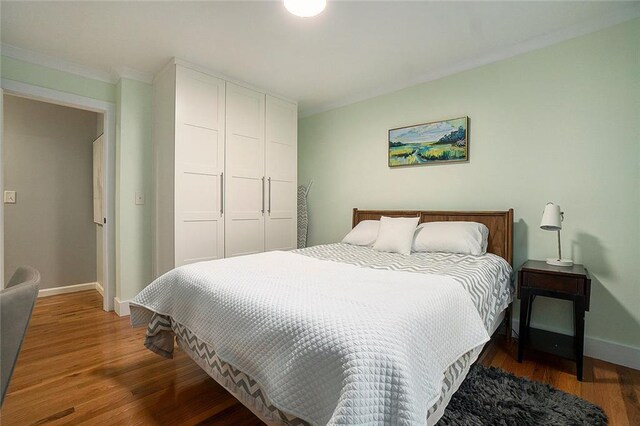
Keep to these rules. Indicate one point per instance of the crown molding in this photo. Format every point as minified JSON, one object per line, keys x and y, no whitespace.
{"x":605,"y":21}
{"x":48,"y":61}
{"x":63,"y":65}
{"x":131,"y":74}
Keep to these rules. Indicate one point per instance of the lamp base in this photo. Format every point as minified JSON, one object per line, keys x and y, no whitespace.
{"x":559,"y":262}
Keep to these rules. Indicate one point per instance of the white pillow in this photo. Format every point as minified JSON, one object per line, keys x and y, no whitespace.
{"x":396,"y":234}
{"x":452,"y":237}
{"x":364,"y":234}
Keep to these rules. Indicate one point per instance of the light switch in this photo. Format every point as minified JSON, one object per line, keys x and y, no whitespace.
{"x":9,"y":197}
{"x":139,"y":198}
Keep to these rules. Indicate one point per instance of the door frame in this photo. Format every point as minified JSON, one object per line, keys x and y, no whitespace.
{"x":108,"y":109}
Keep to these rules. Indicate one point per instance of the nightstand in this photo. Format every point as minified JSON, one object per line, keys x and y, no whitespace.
{"x":537,"y":278}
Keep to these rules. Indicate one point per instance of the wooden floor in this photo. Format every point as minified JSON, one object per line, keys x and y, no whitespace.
{"x":80,"y":364}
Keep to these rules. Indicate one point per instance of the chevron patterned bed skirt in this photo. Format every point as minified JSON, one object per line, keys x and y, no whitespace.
{"x":159,"y":339}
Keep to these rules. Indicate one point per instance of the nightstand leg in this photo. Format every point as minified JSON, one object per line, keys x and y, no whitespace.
{"x":508,"y":322}
{"x":578,"y":311}
{"x":525,"y":303}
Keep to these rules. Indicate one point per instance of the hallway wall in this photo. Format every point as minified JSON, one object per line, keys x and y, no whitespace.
{"x":48,"y":157}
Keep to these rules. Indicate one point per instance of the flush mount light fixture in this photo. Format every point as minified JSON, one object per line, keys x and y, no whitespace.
{"x":305,"y":8}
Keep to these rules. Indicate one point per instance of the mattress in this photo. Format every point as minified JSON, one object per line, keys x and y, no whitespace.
{"x":486,"y":279}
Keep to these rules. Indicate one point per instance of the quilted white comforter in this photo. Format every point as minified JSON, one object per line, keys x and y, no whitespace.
{"x":329,"y":342}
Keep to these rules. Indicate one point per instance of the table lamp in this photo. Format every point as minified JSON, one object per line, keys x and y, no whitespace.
{"x":552,"y":221}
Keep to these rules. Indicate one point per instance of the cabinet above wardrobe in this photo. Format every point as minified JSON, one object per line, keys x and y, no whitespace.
{"x":225,"y":168}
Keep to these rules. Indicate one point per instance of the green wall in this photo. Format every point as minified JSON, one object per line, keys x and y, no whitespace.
{"x":134,"y":154}
{"x":558,"y":124}
{"x":14,"y":69}
{"x":133,"y":161}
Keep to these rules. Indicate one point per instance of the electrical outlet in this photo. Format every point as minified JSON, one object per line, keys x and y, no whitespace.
{"x":9,"y":197}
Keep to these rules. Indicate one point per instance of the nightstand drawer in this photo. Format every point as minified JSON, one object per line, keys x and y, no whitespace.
{"x":553,"y":282}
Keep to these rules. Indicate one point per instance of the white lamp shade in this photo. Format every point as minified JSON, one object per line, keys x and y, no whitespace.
{"x":305,"y":8}
{"x":551,"y":218}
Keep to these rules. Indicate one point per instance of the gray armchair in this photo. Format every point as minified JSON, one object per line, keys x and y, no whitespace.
{"x":16,"y":305}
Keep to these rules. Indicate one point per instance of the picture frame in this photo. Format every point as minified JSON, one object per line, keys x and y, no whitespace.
{"x":436,"y":142}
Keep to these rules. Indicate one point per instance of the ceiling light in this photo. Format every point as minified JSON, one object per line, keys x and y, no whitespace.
{"x":305,"y":8}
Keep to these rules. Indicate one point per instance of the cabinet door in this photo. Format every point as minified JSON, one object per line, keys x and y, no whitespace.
{"x":244,"y":183}
{"x":282,"y":174}
{"x":199,"y":163}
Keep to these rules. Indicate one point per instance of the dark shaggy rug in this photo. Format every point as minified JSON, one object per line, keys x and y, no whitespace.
{"x":490,"y":396}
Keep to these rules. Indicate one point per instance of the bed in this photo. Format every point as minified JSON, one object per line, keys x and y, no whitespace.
{"x":336,"y":359}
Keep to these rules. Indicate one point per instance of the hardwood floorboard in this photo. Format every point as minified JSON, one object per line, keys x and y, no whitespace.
{"x":630,"y":393}
{"x":81,"y":365}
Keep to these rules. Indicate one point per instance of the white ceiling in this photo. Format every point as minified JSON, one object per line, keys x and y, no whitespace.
{"x":352,"y":51}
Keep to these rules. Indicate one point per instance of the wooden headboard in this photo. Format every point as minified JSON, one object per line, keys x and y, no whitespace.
{"x":500,"y":224}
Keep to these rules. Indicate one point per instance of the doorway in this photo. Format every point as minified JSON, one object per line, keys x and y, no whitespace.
{"x":66,"y":240}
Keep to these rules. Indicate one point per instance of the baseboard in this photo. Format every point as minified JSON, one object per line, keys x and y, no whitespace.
{"x":66,"y":289}
{"x":100,"y":289}
{"x":616,"y":353}
{"x":121,"y":307}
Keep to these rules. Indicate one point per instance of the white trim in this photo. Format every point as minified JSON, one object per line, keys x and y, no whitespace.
{"x":616,"y":353}
{"x":44,"y":60}
{"x":100,"y":289}
{"x":45,"y":292}
{"x":109,"y":209}
{"x":131,"y":74}
{"x":608,"y":20}
{"x":2,"y":187}
{"x":63,"y":65}
{"x":109,"y":110}
{"x":45,"y":94}
{"x":121,"y":307}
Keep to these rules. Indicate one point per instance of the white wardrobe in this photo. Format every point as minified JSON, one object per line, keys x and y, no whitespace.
{"x":225,"y":169}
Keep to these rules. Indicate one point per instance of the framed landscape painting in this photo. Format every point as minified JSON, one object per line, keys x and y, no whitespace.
{"x":430,"y":143}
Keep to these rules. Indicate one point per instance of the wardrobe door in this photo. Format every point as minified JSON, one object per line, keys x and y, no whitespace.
{"x":282,"y":174}
{"x":199,"y":167}
{"x":244,"y":182}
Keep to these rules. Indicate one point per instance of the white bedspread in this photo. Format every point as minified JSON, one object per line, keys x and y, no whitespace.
{"x":329,"y":342}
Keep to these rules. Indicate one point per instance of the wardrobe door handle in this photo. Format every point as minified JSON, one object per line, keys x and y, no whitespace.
{"x":269,"y":210}
{"x":262,"y":211}
{"x":222,"y":193}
